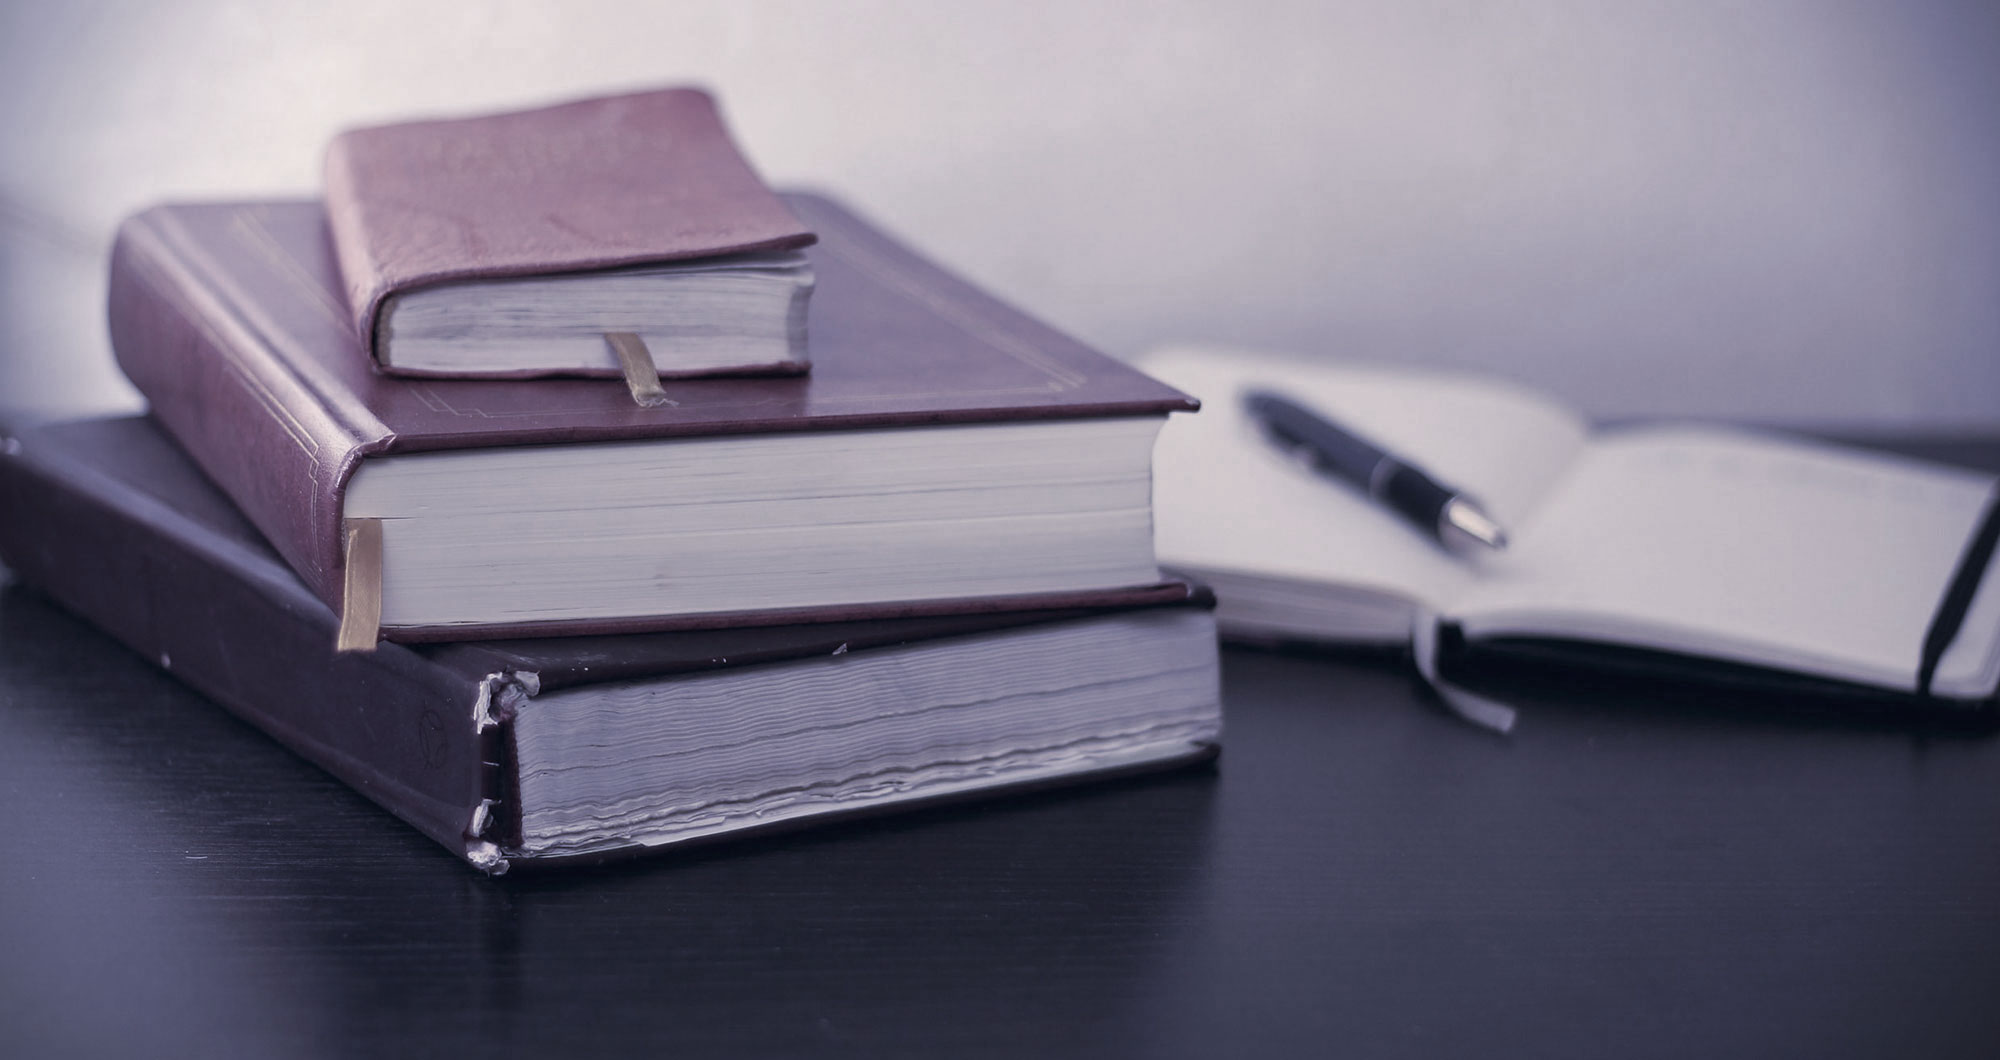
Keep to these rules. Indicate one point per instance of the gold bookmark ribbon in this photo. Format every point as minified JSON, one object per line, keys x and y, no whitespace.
{"x":641,"y":377}
{"x":361,"y":593}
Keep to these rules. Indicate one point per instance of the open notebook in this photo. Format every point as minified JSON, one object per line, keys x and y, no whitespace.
{"x":1699,"y":542}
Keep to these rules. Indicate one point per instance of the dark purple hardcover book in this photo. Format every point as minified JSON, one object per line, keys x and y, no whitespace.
{"x":232,"y":321}
{"x":710,"y":733}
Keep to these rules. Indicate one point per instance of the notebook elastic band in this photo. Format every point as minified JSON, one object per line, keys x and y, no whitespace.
{"x":1959,"y":593}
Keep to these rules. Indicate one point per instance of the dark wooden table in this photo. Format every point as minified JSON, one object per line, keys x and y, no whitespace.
{"x":1635,"y":872}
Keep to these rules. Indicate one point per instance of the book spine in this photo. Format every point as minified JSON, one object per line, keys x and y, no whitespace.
{"x":360,"y":279}
{"x":257,"y":430}
{"x":423,"y":741}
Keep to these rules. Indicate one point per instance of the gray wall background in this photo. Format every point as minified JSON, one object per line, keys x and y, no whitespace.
{"x":1781,"y":210}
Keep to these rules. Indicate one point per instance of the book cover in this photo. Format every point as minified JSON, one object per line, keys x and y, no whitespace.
{"x":230,"y":319}
{"x":112,"y":521}
{"x":645,"y":178}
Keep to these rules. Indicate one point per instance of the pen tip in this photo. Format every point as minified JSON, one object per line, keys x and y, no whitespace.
{"x":1464,"y":520}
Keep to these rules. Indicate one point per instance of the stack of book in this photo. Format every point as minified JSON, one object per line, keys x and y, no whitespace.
{"x":800,"y":565}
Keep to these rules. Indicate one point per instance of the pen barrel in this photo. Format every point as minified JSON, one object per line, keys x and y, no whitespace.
{"x":1413,"y":494}
{"x":1329,"y":450}
{"x":1325,"y":447}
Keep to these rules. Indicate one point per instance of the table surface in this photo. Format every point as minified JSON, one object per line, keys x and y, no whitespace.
{"x":1635,"y":872}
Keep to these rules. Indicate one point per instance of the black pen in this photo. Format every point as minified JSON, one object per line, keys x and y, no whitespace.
{"x":1439,"y":510}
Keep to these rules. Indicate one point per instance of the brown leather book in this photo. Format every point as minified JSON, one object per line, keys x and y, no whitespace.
{"x":576,"y":749}
{"x":946,"y":454}
{"x":509,"y":244}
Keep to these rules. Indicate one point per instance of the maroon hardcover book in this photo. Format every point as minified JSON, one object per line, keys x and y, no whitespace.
{"x":112,"y":521}
{"x":626,"y":180}
{"x":230,"y":319}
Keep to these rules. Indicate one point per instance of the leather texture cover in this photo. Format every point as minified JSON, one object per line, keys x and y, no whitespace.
{"x":594,"y":184}
{"x":230,"y":319}
{"x":113,"y":522}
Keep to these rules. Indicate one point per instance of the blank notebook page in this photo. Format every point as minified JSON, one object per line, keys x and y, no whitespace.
{"x":1226,"y":499}
{"x":1744,"y":547}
